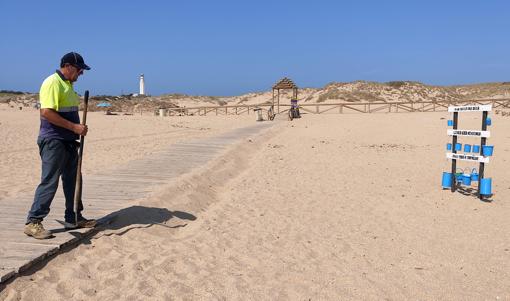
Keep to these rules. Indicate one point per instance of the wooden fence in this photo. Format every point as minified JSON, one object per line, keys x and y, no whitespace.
{"x":341,"y":108}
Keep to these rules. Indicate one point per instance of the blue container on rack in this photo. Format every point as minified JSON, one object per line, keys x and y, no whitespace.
{"x":467,"y":148}
{"x":466,"y":179}
{"x":474,"y":175}
{"x":476,"y":149}
{"x":487,"y":150}
{"x":459,"y":177}
{"x":489,"y":121}
{"x":448,"y":146}
{"x":458,"y":146}
{"x":486,"y":186}
{"x":450,"y":122}
{"x":447,"y":180}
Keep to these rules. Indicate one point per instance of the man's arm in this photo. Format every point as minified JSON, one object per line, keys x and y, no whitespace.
{"x":54,"y":118}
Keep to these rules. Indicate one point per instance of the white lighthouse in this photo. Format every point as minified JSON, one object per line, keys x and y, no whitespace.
{"x":142,"y":85}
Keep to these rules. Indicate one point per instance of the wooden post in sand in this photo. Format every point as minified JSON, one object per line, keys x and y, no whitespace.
{"x":483,"y":141}
{"x":454,"y":142}
{"x":278,"y":101}
{"x":273,"y":97}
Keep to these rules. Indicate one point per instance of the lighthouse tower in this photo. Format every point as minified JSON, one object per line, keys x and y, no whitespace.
{"x":142,"y":85}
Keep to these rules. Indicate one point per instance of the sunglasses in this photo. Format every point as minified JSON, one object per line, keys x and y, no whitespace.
{"x":78,"y":69}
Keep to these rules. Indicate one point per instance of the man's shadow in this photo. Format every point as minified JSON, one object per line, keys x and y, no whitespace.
{"x":142,"y":217}
{"x":135,"y":217}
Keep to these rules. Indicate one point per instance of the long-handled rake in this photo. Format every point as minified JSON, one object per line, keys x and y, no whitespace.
{"x":77,"y":190}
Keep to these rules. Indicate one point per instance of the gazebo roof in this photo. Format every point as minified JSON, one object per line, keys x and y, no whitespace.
{"x":285,"y":83}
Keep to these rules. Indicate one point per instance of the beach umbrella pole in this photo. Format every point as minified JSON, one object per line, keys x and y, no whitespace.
{"x":77,"y":190}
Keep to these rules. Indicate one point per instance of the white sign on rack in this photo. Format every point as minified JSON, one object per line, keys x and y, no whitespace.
{"x":473,"y":108}
{"x":465,"y":157}
{"x":471,"y":133}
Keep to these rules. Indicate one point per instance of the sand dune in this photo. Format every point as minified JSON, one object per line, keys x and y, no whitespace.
{"x":327,"y":207}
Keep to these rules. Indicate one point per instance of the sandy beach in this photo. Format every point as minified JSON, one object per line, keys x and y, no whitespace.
{"x":326,"y":207}
{"x":113,"y":140}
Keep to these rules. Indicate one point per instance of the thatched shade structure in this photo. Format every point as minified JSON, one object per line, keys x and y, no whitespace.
{"x":285,"y":84}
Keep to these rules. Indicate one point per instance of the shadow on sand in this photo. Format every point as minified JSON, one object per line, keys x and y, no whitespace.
{"x":134,"y":217}
{"x":468,"y":191}
{"x":141,"y":217}
{"x":115,"y":223}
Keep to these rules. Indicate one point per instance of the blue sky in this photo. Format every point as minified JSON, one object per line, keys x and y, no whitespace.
{"x":233,"y":47}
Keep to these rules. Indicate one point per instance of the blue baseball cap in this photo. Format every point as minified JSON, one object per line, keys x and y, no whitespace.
{"x":74,"y":59}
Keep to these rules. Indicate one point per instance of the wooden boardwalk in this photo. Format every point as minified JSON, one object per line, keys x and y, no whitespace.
{"x":103,"y":194}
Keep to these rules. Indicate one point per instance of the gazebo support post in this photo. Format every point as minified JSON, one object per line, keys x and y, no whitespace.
{"x":273,"y":98}
{"x":278,"y":101}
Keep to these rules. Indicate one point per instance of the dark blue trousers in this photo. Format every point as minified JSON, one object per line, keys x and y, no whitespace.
{"x":59,"y":159}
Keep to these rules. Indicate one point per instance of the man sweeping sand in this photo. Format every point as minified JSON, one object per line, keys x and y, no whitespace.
{"x":60,"y":128}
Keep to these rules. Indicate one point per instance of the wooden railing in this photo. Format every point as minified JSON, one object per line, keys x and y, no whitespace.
{"x":341,"y":108}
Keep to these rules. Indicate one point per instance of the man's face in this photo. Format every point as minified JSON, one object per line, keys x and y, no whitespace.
{"x":74,"y":73}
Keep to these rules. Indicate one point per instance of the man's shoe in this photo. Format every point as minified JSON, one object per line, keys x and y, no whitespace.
{"x":36,"y":230}
{"x":82,"y":223}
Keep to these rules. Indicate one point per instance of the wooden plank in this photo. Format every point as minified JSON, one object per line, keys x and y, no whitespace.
{"x":498,"y":104}
{"x":379,"y":108}
{"x":25,"y":252}
{"x":327,"y":110}
{"x":14,"y":207}
{"x":5,"y":221}
{"x":14,"y":263}
{"x":129,"y":175}
{"x":94,"y":195}
{"x":427,"y":108}
{"x":444,"y":105}
{"x":240,"y":112}
{"x":307,"y":110}
{"x":19,"y":237}
{"x":124,"y":184}
{"x":407,"y":108}
{"x":354,"y":109}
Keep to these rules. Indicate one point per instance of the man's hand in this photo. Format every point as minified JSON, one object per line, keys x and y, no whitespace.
{"x":80,"y":129}
{"x":54,"y":118}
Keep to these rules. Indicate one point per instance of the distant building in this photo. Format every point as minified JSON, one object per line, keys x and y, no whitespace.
{"x":142,"y":85}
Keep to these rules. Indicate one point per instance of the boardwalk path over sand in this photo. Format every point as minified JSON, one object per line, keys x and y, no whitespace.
{"x":102,"y":195}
